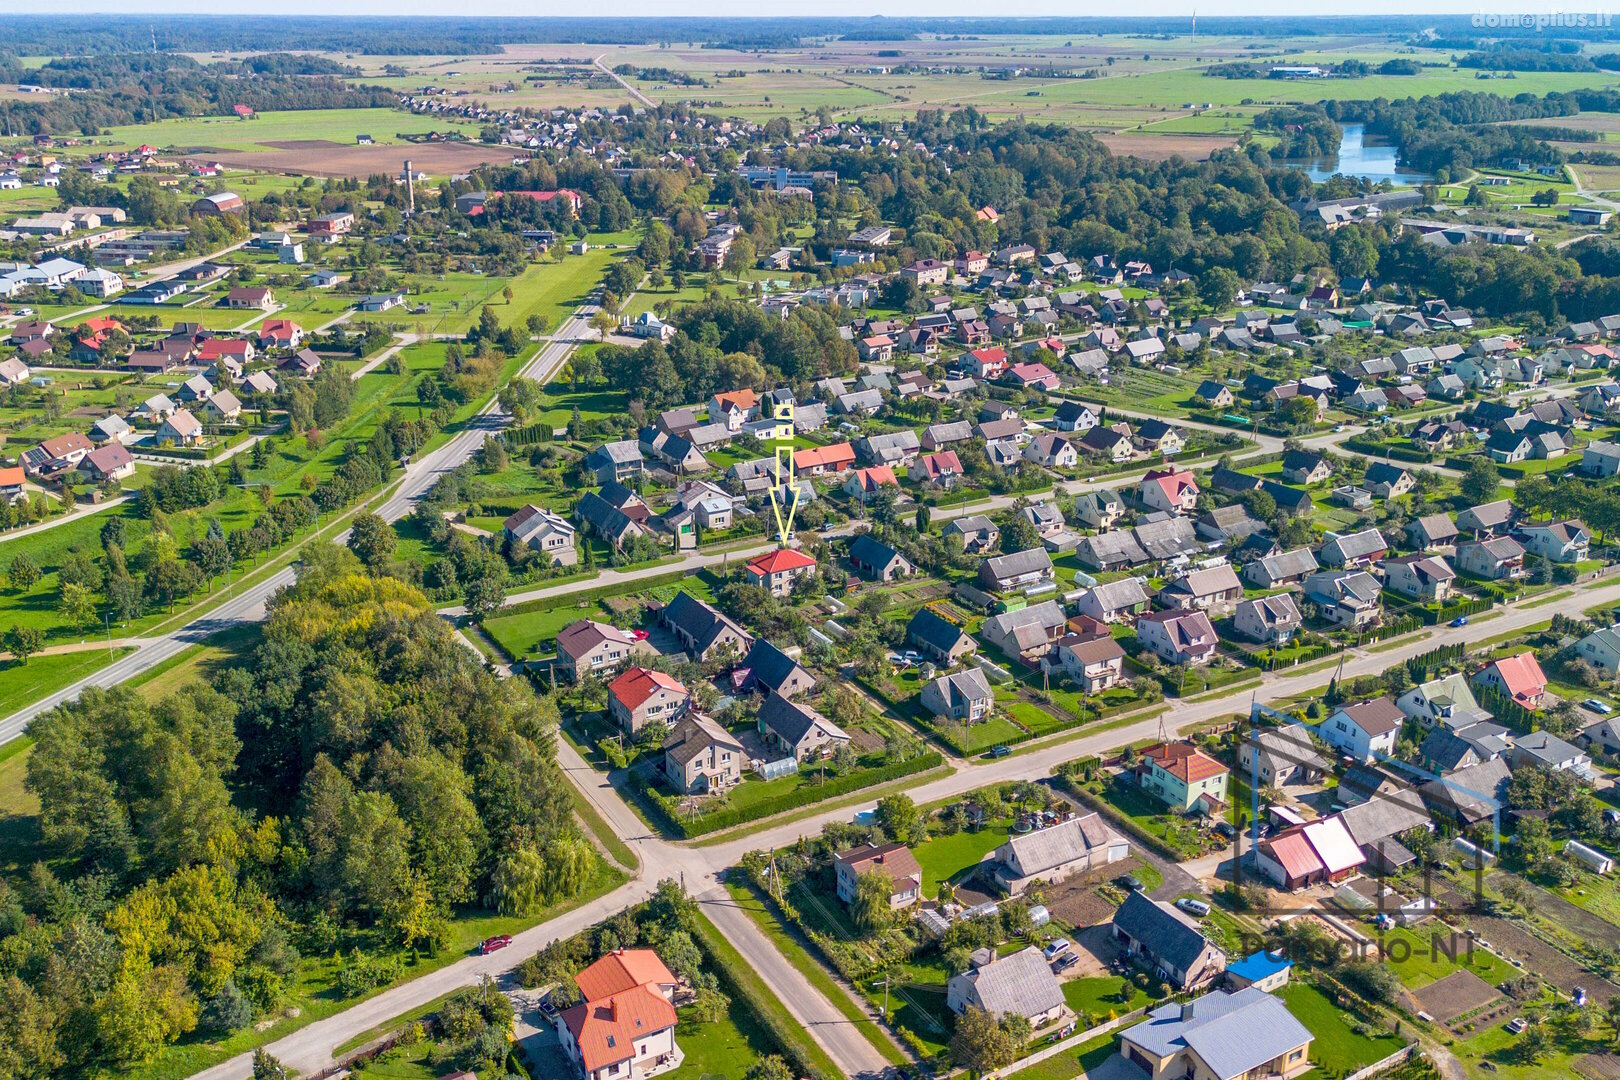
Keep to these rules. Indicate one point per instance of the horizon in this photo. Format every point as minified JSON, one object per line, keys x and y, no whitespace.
{"x":742,"y":10}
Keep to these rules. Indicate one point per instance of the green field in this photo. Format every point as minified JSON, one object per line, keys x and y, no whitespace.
{"x":225,"y":133}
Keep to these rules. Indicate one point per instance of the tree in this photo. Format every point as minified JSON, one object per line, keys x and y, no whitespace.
{"x":267,"y":1067}
{"x":372,"y":540}
{"x":770,"y":1067}
{"x":485,"y":595}
{"x":900,"y":819}
{"x":24,"y":641}
{"x":1480,"y":483}
{"x":872,"y":910}
{"x":77,"y":606}
{"x":980,"y":1043}
{"x":23,"y":573}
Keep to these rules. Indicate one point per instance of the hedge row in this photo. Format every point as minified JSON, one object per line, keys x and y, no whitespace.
{"x":799,"y":797}
{"x":587,"y":597}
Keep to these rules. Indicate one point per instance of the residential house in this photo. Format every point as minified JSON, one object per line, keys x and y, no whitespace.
{"x":963,"y":696}
{"x":1167,"y":942}
{"x":1317,"y":852}
{"x":1274,"y":571}
{"x":588,"y":647}
{"x":1345,"y":597}
{"x":877,"y":561}
{"x":1421,"y":577}
{"x":1557,"y":541}
{"x":1173,"y":491}
{"x":1388,"y":481}
{"x":1178,"y":636}
{"x":1487,"y":519}
{"x":179,"y":428}
{"x":703,"y":630}
{"x":701,"y":757}
{"x":1099,"y":509}
{"x":1499,"y":558}
{"x":1305,"y":467}
{"x":772,"y":671}
{"x":1003,"y":573}
{"x":775,"y":571}
{"x":1239,"y":1036}
{"x":1028,"y":631}
{"x":1352,"y":550}
{"x":545,"y":532}
{"x":1113,"y":601}
{"x":1270,"y":620}
{"x":1280,"y":756}
{"x":1432,"y":531}
{"x":939,"y":639}
{"x":642,"y":696}
{"x":1216,"y":588}
{"x":110,"y":462}
{"x":978,"y":533}
{"x":1182,"y":777}
{"x":799,"y":730}
{"x":1051,"y":855}
{"x":615,"y":461}
{"x":1517,"y":677}
{"x":1018,"y":985}
{"x":1052,"y":451}
{"x":1094,"y":663}
{"x":1365,"y":729}
{"x":624,"y":1024}
{"x":895,"y":862}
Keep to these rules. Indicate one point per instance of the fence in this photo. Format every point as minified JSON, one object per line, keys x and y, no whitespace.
{"x":1390,"y":1062}
{"x":1070,"y":1043}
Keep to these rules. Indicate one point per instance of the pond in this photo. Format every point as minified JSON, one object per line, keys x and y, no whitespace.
{"x":1359,"y":159}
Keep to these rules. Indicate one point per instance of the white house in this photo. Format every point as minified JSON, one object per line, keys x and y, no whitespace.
{"x":1365,"y":729}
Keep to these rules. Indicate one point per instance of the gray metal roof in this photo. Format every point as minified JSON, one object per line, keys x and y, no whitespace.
{"x":1058,"y":844}
{"x":1021,"y":984}
{"x":1232,"y":1034}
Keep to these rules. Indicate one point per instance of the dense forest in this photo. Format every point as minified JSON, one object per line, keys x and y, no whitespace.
{"x":350,"y":789}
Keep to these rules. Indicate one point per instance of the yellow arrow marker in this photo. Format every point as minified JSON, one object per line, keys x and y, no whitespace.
{"x":784,"y":492}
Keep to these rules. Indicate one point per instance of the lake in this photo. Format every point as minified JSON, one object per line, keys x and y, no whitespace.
{"x":1357,"y":158}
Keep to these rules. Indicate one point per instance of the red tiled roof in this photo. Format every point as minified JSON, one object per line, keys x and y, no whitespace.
{"x":775,"y":562}
{"x":620,"y":970}
{"x":875,"y":477}
{"x":1184,"y":761}
{"x":606,"y":1029}
{"x":638,"y":684}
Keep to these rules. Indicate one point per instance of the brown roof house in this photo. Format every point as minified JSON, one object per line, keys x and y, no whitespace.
{"x":701,"y":756}
{"x":893,"y":861}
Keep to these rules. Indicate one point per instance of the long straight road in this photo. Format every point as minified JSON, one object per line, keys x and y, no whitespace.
{"x":248,"y":604}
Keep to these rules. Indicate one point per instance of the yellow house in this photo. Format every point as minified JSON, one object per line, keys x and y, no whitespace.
{"x":1242,"y":1036}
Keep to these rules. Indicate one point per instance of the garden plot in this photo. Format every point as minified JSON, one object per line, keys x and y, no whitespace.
{"x":1457,"y":994}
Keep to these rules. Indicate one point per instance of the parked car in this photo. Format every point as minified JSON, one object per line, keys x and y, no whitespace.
{"x":1056,"y":948}
{"x":1592,"y":704}
{"x":1132,"y":882}
{"x":1001,"y":751}
{"x":1065,"y":962}
{"x":494,"y":944}
{"x":1193,"y":907}
{"x":1461,"y":620}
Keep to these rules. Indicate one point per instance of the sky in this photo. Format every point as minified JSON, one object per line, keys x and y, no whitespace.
{"x":1064,"y":8}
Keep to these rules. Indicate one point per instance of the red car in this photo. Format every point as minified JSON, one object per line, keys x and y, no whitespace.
{"x":490,"y":944}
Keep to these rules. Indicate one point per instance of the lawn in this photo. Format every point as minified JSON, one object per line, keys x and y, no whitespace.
{"x":199,"y":663}
{"x":1099,"y":997}
{"x":523,"y":634}
{"x":229,"y":133}
{"x":944,"y":857}
{"x":24,"y":684}
{"x":1337,"y":1049}
{"x":1071,"y":1063}
{"x":1427,"y":962}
